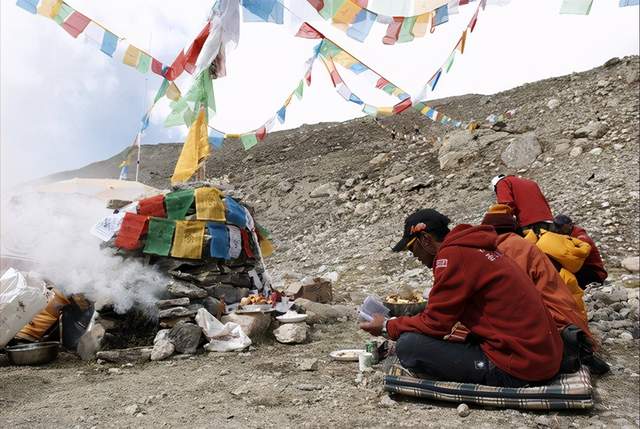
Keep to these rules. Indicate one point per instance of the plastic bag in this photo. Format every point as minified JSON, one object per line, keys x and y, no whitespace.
{"x":226,"y":337}
{"x":370,"y":307}
{"x":20,"y":300}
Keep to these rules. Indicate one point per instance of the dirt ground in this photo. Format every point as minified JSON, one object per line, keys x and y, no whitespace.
{"x":264,"y":388}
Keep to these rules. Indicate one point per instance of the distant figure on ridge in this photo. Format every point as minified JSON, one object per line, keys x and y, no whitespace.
{"x":527,"y":201}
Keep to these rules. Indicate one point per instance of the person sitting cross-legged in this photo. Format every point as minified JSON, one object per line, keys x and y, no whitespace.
{"x":514,"y":340}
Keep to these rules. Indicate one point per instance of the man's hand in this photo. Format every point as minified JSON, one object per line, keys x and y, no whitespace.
{"x":375,"y":326}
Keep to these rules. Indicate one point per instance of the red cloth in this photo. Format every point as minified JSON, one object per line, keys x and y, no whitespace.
{"x":76,"y":23}
{"x":156,"y":66}
{"x":194,"y":50}
{"x":153,"y":206}
{"x":490,"y":295}
{"x":381,"y":83}
{"x":555,"y":293}
{"x":308,"y":32}
{"x":525,"y":198}
{"x":246,"y":243}
{"x":393,"y":31}
{"x":594,"y":260}
{"x":133,"y":227}
{"x":402,"y":106}
{"x":176,"y":68}
{"x":317,"y":4}
{"x":261,"y":133}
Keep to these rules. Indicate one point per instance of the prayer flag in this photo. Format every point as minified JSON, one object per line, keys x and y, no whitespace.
{"x":160,"y":236}
{"x":132,"y":229}
{"x":235,"y":241}
{"x":173,"y":93}
{"x":235,"y":213}
{"x":216,"y":138}
{"x":144,"y":63}
{"x":49,"y":8}
{"x":299,"y":90}
{"x":307,"y":77}
{"x":385,"y":111}
{"x":263,"y":11}
{"x":330,"y":8}
{"x":28,"y":5}
{"x":402,"y":106}
{"x":188,"y":239}
{"x":317,"y":4}
{"x":393,"y":30}
{"x":176,"y":68}
{"x":178,"y":203}
{"x":382,"y":82}
{"x":193,"y":52}
{"x":308,"y":32}
{"x":248,"y":140}
{"x":161,"y":91}
{"x":462,"y":41}
{"x":405,"y":35}
{"x":75,"y":23}
{"x":355,"y":99}
{"x":370,"y":110}
{"x":282,"y":114}
{"x":194,"y":151}
{"x":124,"y":172}
{"x":153,"y":206}
{"x":209,"y":205}
{"x":362,"y":25}
{"x":347,"y":12}
{"x":246,"y":244}
{"x":156,"y":67}
{"x":576,"y":7}
{"x":63,"y":13}
{"x":109,"y":43}
{"x":442,"y":15}
{"x":434,"y":80}
{"x":624,"y":3}
{"x":131,"y":56}
{"x":261,"y":133}
{"x":219,"y":247}
{"x":449,"y":62}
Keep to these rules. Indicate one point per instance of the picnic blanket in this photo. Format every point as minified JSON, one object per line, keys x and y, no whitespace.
{"x":566,"y":391}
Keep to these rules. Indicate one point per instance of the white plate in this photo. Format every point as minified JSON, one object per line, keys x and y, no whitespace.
{"x":292,"y":318}
{"x":347,"y":355}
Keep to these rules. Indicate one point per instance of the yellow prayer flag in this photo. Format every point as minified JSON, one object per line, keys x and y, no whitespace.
{"x":49,"y":8}
{"x":173,"y":92}
{"x":421,"y":25}
{"x":462,"y":41}
{"x":346,"y":13}
{"x":194,"y":150}
{"x":232,"y":136}
{"x":425,"y":109}
{"x":288,"y":100}
{"x":188,"y":239}
{"x":209,"y":205}
{"x":266,"y":247}
{"x":344,"y":59}
{"x":385,"y":111}
{"x":132,"y":56}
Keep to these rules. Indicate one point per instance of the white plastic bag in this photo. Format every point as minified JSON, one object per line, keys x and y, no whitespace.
{"x":226,"y":337}
{"x":20,"y":301}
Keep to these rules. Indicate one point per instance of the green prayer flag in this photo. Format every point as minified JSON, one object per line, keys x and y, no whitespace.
{"x":63,"y":13}
{"x":159,"y":236}
{"x":389,"y":88}
{"x":248,"y":140}
{"x":449,"y":62}
{"x":576,"y":7}
{"x":207,"y":84}
{"x":178,"y":203}
{"x":161,"y":91}
{"x":144,"y":63}
{"x":405,"y":34}
{"x":299,"y":90}
{"x":330,"y":8}
{"x":329,"y":49}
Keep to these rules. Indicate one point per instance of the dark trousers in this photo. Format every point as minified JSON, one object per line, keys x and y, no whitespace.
{"x":536,"y":227}
{"x":587,"y":276}
{"x":448,"y":361}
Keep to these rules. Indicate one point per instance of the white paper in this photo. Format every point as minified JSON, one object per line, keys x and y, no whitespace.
{"x":107,"y":227}
{"x":235,"y":241}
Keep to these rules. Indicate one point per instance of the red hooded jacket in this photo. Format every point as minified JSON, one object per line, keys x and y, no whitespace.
{"x":495,"y":299}
{"x":594,"y":260}
{"x":525,"y":198}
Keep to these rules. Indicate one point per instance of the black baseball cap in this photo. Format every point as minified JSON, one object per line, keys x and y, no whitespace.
{"x":431,"y":220}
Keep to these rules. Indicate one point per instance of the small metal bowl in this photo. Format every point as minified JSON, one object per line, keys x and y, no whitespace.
{"x":33,"y":354}
{"x":409,"y":309}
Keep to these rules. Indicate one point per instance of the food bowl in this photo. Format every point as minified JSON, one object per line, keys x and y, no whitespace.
{"x":33,"y":354}
{"x":409,"y":309}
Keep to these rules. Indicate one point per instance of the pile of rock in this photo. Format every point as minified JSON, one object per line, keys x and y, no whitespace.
{"x":613,"y":312}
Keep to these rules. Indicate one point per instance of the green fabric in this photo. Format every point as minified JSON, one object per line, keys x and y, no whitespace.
{"x":144,"y":63}
{"x":389,"y":88}
{"x":200,"y":94}
{"x":178,"y":203}
{"x":248,"y":140}
{"x":329,"y":49}
{"x":159,"y":236}
{"x":63,"y":13}
{"x":299,"y":90}
{"x":449,"y":62}
{"x":576,"y":7}
{"x":330,"y":8}
{"x":162,"y":90}
{"x":405,"y":31}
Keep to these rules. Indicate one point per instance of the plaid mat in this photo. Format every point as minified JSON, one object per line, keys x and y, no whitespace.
{"x":567,"y":391}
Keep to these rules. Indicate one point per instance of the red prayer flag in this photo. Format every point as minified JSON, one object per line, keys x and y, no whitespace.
{"x":195,"y":48}
{"x":76,"y":23}
{"x":156,"y":66}
{"x":317,"y":4}
{"x":176,"y":68}
{"x":307,"y":77}
{"x":463,"y":2}
{"x":335,"y":77}
{"x":402,"y":106}
{"x":393,"y":30}
{"x":382,"y":82}
{"x":472,"y":24}
{"x":308,"y":32}
{"x":133,"y":227}
{"x":362,"y":3}
{"x":153,"y":206}
{"x":246,"y":243}
{"x":261,"y":133}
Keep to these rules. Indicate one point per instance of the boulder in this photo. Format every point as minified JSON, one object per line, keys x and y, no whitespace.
{"x":228,"y":294}
{"x":185,"y":337}
{"x":380,"y":158}
{"x":553,"y":103}
{"x":291,"y":333}
{"x":182,"y":289}
{"x":562,"y":147}
{"x":575,"y":152}
{"x":178,"y":302}
{"x":285,"y":186}
{"x":132,"y":355}
{"x":522,"y":151}
{"x":162,"y":349}
{"x":395,"y":179}
{"x":593,"y":130}
{"x":323,"y":313}
{"x":631,"y":264}
{"x":456,"y":146}
{"x":254,"y":325}
{"x":170,"y":313}
{"x":327,"y":190}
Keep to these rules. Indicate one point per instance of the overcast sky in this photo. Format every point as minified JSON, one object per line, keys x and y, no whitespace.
{"x":64,"y":104}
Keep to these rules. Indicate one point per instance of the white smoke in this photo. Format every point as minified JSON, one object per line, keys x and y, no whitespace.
{"x":53,"y":230}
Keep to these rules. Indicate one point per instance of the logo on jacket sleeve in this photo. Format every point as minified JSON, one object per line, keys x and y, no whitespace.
{"x":442,"y":263}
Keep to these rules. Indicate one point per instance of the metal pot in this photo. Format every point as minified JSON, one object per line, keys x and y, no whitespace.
{"x":33,"y":354}
{"x":410,"y":309}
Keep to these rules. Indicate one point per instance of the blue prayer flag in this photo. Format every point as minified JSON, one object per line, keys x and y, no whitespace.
{"x":355,"y":99}
{"x":263,"y":11}
{"x":28,"y":5}
{"x":282,"y":114}
{"x":358,"y":68}
{"x":216,"y":138}
{"x":624,"y":3}
{"x":109,"y":43}
{"x":442,"y":14}
{"x":361,"y":25}
{"x":219,"y":247}
{"x":235,"y":213}
{"x":145,"y":122}
{"x":435,"y":79}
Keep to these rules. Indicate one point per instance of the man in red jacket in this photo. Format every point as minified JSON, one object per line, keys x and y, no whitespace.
{"x":516,"y":341}
{"x":525,"y":199}
{"x":592,"y":270}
